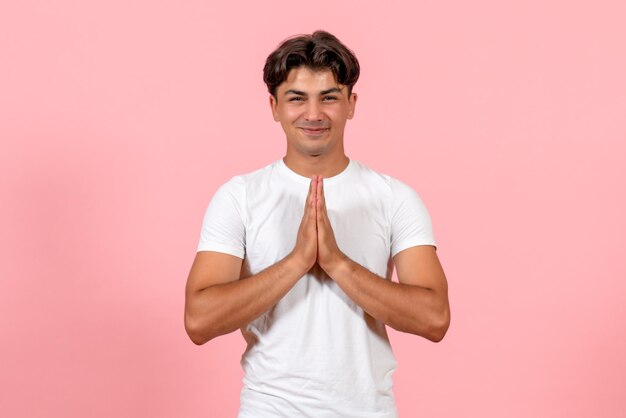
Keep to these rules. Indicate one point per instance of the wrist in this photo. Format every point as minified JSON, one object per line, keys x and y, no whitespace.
{"x":337,"y":265}
{"x":297,"y":264}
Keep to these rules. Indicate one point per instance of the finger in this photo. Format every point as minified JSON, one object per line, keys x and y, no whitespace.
{"x":314,"y":192}
{"x":310,"y":197}
{"x":312,"y":187}
{"x":310,"y":212}
{"x":320,"y":192}
{"x":321,"y":206}
{"x":318,"y":199}
{"x":319,"y":185}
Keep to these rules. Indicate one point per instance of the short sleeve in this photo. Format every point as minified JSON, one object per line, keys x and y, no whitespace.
{"x":223,"y":226}
{"x":410,"y":221}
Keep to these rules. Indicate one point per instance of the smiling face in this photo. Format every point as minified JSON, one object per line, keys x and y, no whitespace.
{"x":312,"y":110}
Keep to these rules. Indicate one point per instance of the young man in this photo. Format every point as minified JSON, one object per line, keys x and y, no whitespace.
{"x":299,"y":255}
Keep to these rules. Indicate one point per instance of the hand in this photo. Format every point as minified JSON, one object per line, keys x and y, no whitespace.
{"x":305,"y":250}
{"x":328,"y":252}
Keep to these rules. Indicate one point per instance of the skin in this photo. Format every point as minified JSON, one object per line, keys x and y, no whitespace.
{"x":313,"y":109}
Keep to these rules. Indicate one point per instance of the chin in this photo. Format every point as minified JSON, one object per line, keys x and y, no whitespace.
{"x":312,"y":147}
{"x":317,"y":151}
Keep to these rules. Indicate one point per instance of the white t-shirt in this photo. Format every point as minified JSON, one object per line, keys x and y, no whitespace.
{"x":316,"y":353}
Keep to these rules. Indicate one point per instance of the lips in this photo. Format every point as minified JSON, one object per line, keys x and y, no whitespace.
{"x":313,"y":131}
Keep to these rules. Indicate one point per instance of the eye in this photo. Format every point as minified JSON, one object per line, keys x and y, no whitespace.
{"x":329,"y":98}
{"x":296,"y":99}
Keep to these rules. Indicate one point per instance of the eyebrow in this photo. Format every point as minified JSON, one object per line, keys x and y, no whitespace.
{"x":323,"y":92}
{"x":333,"y":90}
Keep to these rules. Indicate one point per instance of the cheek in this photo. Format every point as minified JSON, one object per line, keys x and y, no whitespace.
{"x":289,"y":115}
{"x":340,"y":117}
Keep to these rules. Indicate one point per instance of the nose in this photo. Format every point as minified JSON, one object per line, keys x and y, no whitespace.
{"x":313,"y":111}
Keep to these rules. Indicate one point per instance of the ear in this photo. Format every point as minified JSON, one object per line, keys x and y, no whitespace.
{"x":273,"y":104}
{"x":352,"y":104}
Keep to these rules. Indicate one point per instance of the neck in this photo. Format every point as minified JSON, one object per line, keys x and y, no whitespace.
{"x":319,"y":165}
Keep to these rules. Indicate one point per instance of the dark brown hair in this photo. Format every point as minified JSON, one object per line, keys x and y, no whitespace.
{"x":318,"y":51}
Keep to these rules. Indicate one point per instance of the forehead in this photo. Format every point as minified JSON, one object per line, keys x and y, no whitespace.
{"x":309,"y":80}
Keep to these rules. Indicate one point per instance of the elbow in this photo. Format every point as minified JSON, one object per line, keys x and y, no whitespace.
{"x":196,"y":338}
{"x":436,"y":335}
{"x":439,"y":327}
{"x":434,"y":329}
{"x":197,"y":334}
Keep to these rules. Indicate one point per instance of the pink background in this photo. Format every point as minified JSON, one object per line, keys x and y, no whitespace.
{"x":119,"y":119}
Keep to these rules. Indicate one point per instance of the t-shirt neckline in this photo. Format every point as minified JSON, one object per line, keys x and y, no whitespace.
{"x":305,"y":180}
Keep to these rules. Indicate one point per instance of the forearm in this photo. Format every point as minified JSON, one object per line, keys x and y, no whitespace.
{"x":222,"y":308}
{"x":407,"y":308}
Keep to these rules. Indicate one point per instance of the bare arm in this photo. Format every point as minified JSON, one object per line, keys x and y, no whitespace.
{"x":418,"y":304}
{"x":217,"y":303}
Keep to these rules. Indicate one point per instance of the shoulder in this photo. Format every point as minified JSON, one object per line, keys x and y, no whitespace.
{"x":392,"y":186}
{"x":366,"y":175}
{"x":239,"y":184}
{"x":254,"y":178}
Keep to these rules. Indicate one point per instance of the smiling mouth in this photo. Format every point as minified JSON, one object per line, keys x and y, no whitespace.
{"x":314,"y":131}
